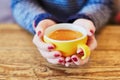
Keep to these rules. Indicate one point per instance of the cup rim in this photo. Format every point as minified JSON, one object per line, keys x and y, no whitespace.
{"x":68,"y":24}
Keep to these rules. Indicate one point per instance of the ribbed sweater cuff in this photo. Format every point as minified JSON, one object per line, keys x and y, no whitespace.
{"x":71,"y":19}
{"x":43,"y":16}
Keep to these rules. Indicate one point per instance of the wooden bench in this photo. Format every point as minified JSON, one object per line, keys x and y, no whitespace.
{"x":20,"y":60}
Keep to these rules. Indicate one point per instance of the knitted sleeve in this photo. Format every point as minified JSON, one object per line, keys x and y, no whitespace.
{"x":26,"y":11}
{"x":98,"y":11}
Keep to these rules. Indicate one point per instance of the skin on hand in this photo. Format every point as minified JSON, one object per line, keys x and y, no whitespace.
{"x":92,"y":43}
{"x":89,"y":26}
{"x":55,"y":57}
{"x":46,"y":49}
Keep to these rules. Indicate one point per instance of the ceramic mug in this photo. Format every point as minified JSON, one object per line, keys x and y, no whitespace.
{"x":68,"y":47}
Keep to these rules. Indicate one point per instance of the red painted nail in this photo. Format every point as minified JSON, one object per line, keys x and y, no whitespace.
{"x":39,"y":32}
{"x":65,"y":62}
{"x":92,"y":32}
{"x":50,"y":47}
{"x":75,"y":59}
{"x":57,"y":55}
{"x":81,"y":53}
{"x":60,"y":61}
{"x":69,"y":60}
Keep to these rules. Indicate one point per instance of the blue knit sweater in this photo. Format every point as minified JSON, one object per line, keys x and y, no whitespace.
{"x":27,"y":11}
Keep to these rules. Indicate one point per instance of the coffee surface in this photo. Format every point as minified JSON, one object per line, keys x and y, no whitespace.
{"x":64,"y":34}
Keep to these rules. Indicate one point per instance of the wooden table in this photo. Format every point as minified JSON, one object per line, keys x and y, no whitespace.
{"x":20,"y":60}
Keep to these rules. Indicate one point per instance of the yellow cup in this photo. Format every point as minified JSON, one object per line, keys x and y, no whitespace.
{"x":68,"y":47}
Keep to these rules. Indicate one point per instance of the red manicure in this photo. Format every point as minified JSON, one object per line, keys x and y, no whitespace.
{"x":65,"y":62}
{"x":81,"y":53}
{"x":60,"y":61}
{"x":92,"y":32}
{"x":69,"y":60}
{"x":50,"y":47}
{"x":57,"y":55}
{"x":75,"y":59}
{"x":39,"y":32}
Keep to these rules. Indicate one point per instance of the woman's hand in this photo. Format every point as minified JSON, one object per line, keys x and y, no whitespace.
{"x":55,"y":57}
{"x":89,"y":26}
{"x":92,"y":43}
{"x":46,"y":49}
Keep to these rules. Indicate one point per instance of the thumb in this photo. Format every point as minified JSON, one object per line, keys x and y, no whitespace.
{"x":42,"y":25}
{"x":87,"y":24}
{"x":92,"y":42}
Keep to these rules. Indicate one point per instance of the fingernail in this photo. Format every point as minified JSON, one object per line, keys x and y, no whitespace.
{"x":60,"y":61}
{"x":92,"y":32}
{"x":79,"y":50}
{"x":50,"y":47}
{"x":65,"y":62}
{"x":57,"y":55}
{"x":39,"y":32}
{"x":75,"y":59}
{"x":69,"y":60}
{"x":81,"y":53}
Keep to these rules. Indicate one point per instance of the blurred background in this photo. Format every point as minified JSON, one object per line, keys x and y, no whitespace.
{"x":5,"y":13}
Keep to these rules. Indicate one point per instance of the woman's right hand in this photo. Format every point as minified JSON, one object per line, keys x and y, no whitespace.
{"x":46,"y":49}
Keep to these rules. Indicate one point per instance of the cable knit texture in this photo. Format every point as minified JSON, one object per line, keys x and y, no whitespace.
{"x":27,"y":11}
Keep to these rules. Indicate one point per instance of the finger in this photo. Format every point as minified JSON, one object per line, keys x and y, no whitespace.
{"x":50,"y":55}
{"x":90,"y":32}
{"x":68,"y":61}
{"x":80,"y":51}
{"x":92,"y":42}
{"x":75,"y":59}
{"x":67,"y":64}
{"x":42,"y":25}
{"x":78,"y":61}
{"x":82,"y":62}
{"x":90,"y":27}
{"x":59,"y":60}
{"x":40,"y":44}
{"x":39,"y":35}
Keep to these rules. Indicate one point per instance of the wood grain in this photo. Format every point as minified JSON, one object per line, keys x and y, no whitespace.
{"x":20,"y":60}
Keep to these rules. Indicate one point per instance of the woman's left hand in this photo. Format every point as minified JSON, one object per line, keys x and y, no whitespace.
{"x":92,"y":43}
